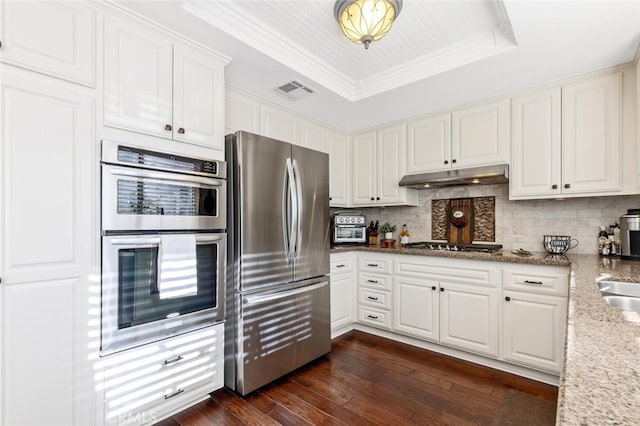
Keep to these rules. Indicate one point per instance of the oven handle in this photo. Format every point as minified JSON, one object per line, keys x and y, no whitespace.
{"x":146,"y":174}
{"x":156,"y":240}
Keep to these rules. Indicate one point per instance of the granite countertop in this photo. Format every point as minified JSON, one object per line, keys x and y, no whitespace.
{"x":600,"y":381}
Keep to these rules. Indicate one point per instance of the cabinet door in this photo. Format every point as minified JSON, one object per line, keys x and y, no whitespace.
{"x":591,"y":123}
{"x":278,"y":124}
{"x":534,"y":329}
{"x":51,"y":37}
{"x":342,"y":301}
{"x":391,"y":158}
{"x":469,"y":318}
{"x":536,"y":145}
{"x":138,"y":79}
{"x":339,"y":147}
{"x":429,"y":144}
{"x":242,"y":113}
{"x":480,"y":134}
{"x":198,"y":98}
{"x":48,"y":163}
{"x":364,"y":169}
{"x":314,"y":136}
{"x":416,"y":307}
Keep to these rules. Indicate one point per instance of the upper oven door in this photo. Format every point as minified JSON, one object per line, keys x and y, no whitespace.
{"x":135,"y":199}
{"x":151,"y":291}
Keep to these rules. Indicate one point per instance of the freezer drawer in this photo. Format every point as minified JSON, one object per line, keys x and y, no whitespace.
{"x":281,"y":331}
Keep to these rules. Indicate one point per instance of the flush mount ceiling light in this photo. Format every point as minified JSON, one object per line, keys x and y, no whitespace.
{"x":364,"y":21}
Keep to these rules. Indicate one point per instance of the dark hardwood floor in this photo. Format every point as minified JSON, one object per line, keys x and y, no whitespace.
{"x":368,"y":380}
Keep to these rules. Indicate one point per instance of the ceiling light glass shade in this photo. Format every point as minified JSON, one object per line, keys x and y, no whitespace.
{"x":364,"y":21}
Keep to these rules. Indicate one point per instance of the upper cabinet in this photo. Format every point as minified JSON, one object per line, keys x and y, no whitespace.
{"x":568,"y":140}
{"x":162,"y":88}
{"x":339,"y":148}
{"x":279,"y":124}
{"x":241,"y":113}
{"x":379,"y":162}
{"x":54,"y":38}
{"x":314,"y":136}
{"x":472,"y":136}
{"x":480,"y":134}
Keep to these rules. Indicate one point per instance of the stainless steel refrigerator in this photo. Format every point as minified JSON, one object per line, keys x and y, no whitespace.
{"x":277,"y":300}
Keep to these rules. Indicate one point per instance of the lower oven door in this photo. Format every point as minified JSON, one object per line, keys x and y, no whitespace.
{"x":140,"y":303}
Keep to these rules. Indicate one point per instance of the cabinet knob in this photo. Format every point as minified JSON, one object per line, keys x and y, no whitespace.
{"x":181,"y":130}
{"x":433,"y":288}
{"x":454,"y":161}
{"x":567,"y":185}
{"x":168,"y":127}
{"x":507,"y":298}
{"x":441,"y":288}
{"x":378,"y":198}
{"x":554,"y":186}
{"x":330,"y":198}
{"x":371,"y":198}
{"x":446,"y":161}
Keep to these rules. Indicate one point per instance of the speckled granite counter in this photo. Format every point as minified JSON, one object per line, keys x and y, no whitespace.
{"x":600,"y":382}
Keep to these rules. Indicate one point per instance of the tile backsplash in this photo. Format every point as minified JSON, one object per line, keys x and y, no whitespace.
{"x":518,"y":224}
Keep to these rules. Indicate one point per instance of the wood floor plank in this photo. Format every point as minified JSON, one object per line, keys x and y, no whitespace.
{"x":368,"y":380}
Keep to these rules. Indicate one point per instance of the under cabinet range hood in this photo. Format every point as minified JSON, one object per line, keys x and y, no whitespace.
{"x":484,"y":175}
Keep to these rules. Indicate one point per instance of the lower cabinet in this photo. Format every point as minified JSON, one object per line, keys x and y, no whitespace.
{"x":374,"y":290}
{"x":469,"y":317}
{"x":417,"y":307}
{"x":144,"y":384}
{"x":342,"y":286}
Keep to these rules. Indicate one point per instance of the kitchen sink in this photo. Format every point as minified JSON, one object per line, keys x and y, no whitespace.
{"x":621,"y":294}
{"x":620,"y":288}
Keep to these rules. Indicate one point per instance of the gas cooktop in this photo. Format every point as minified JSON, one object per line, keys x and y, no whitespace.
{"x":434,"y":245}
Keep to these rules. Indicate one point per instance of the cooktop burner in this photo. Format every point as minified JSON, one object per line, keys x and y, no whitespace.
{"x":434,"y":245}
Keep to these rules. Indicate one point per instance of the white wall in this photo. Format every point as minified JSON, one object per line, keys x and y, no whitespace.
{"x":519,"y":224}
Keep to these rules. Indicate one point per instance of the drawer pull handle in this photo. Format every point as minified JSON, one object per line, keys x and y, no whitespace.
{"x":372,"y":298}
{"x":176,"y":393}
{"x":533,"y":282}
{"x":375,"y":265}
{"x":340,"y":266}
{"x":372,"y":316}
{"x":372,"y":281}
{"x":172,"y":360}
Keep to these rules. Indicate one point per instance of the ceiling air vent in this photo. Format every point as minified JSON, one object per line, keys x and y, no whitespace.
{"x":294,"y":90}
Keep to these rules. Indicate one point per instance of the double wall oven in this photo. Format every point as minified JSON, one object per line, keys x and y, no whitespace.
{"x":164,"y":239}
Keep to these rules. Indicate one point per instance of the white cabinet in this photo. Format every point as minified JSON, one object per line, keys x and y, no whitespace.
{"x":473,"y":136}
{"x":314,"y":136}
{"x":155,"y":86}
{"x":143,"y":384}
{"x":379,"y":159}
{"x":480,"y":134}
{"x":339,"y":148}
{"x":566,"y":141}
{"x":279,"y":124}
{"x":51,"y":37}
{"x":591,"y":121}
{"x":342,"y":293}
{"x":469,"y":317}
{"x":241,"y":113}
{"x":374,"y":290}
{"x":46,"y":244}
{"x":429,"y":144}
{"x":417,"y":307}
{"x":534,"y":316}
{"x":536,"y":144}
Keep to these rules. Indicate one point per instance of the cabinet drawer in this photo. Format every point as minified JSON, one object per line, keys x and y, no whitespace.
{"x":150,"y":376}
{"x":443,"y":269}
{"x":375,"y":264}
{"x":537,"y":280}
{"x":341,"y":263}
{"x":380,"y":282}
{"x":375,"y":317}
{"x":379,"y":299}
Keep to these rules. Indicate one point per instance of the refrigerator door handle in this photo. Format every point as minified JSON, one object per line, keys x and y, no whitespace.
{"x":289,"y":211}
{"x":252,"y":300}
{"x":299,"y":212}
{"x":295,"y":215}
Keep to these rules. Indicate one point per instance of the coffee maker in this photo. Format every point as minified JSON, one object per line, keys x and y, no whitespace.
{"x":630,"y":235}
